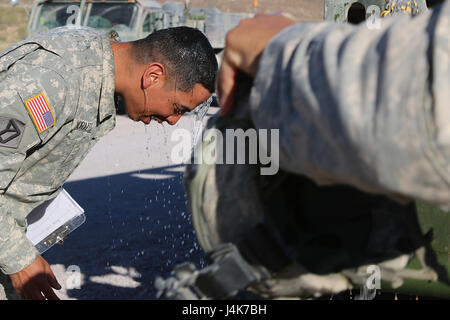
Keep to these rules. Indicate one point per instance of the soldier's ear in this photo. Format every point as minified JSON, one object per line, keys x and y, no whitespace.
{"x":154,"y":75}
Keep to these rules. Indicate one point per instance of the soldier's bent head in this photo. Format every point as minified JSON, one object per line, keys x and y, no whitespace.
{"x":168,"y":73}
{"x":186,"y":52}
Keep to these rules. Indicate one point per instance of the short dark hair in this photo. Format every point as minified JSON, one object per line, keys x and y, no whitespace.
{"x":185,"y":52}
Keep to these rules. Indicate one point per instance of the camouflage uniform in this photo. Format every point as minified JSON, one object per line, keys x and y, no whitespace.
{"x":74,"y":70}
{"x":354,"y":106}
{"x":360,"y":106}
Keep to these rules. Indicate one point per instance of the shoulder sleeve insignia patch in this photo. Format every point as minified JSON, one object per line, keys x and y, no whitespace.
{"x":11,"y":132}
{"x":40,"y":111}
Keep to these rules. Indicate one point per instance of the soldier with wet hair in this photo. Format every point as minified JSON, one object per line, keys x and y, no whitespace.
{"x":186,"y":53}
{"x":57,"y":99}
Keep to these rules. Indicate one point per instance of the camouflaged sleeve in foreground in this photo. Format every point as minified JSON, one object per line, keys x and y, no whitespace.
{"x":369,"y":108}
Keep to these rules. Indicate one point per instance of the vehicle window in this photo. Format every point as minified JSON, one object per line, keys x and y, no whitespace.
{"x":52,"y":16}
{"x":108,"y":15}
{"x":146,"y":24}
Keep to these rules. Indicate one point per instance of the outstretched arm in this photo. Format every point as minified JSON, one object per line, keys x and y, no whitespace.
{"x":357,"y":106}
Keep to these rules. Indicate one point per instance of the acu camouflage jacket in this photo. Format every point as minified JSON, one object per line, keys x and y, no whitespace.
{"x":56,"y":100}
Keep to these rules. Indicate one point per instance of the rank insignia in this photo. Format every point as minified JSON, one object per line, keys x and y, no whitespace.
{"x":40,"y":111}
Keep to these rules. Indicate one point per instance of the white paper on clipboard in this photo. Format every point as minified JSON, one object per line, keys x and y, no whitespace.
{"x":53,"y":220}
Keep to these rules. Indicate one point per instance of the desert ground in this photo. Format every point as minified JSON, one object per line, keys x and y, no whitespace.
{"x":137,"y":222}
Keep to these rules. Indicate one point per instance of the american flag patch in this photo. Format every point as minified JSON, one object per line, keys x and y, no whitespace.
{"x":40,"y":111}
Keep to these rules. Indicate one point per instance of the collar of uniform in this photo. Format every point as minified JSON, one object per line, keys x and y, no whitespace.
{"x":107,"y":107}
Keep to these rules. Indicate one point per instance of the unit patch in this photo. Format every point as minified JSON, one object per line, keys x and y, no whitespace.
{"x":11,"y":132}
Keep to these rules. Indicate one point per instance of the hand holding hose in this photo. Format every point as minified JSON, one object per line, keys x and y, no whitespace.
{"x":243,"y":48}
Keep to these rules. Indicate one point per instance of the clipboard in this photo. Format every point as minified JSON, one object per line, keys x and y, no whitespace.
{"x":52,"y":221}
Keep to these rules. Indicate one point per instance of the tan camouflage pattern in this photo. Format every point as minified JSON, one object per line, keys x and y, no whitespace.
{"x":364,"y":107}
{"x":74,"y":68}
{"x":395,"y":7}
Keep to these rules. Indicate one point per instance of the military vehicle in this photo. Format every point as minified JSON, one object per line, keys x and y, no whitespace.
{"x":132,"y":19}
{"x":126,"y":17}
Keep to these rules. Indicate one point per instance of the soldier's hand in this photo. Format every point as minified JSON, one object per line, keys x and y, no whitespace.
{"x":36,"y":282}
{"x":244,"y":45}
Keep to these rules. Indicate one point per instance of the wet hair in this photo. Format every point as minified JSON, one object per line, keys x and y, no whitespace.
{"x":186,"y":54}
